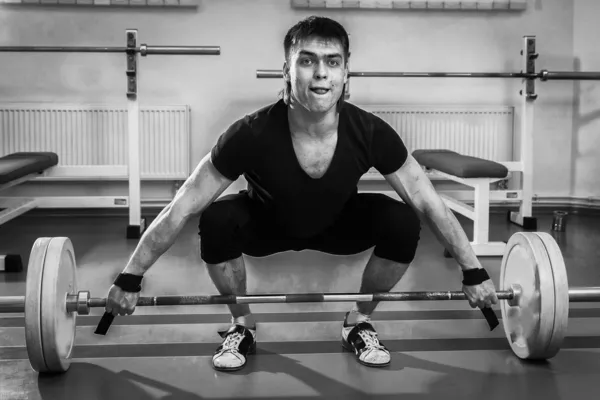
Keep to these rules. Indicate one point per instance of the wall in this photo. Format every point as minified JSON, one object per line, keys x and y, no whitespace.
{"x":585,"y":137}
{"x":222,"y":88}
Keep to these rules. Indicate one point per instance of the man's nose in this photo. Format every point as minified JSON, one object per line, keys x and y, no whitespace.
{"x":320,"y":70}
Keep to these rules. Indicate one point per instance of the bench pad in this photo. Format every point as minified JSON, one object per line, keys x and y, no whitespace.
{"x":459,"y":165}
{"x":17,"y":165}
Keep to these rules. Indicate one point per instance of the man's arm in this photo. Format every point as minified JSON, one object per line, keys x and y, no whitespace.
{"x":201,"y":188}
{"x":415,"y":188}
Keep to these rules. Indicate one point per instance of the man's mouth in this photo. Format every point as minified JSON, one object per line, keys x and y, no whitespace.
{"x":319,"y":90}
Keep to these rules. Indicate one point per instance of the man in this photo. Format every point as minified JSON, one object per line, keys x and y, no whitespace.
{"x":303,"y":157}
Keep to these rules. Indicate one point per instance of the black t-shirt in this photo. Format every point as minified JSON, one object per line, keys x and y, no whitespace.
{"x":259,"y":146}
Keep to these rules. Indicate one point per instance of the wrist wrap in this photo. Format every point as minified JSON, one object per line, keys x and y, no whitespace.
{"x":129,"y":282}
{"x":474,"y":276}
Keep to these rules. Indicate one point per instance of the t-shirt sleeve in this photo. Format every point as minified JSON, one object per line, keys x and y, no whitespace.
{"x":388,"y":152}
{"x":231,"y":153}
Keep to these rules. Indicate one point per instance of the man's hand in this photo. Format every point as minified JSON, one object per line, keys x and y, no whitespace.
{"x":415,"y":189}
{"x":482,"y":295}
{"x":119,"y":302}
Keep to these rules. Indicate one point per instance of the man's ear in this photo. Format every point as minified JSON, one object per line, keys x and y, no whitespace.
{"x":347,"y":69}
{"x":286,"y":72}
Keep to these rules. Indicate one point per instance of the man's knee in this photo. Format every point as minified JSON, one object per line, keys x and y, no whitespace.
{"x":215,"y":221}
{"x":220,"y":227}
{"x":400,"y":233}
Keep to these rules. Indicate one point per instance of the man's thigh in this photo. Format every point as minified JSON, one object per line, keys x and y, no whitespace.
{"x":260,"y":239}
{"x":233,"y":225}
{"x":370,"y":220}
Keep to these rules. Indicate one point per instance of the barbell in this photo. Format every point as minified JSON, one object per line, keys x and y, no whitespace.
{"x":143,"y":49}
{"x":543,"y":75}
{"x":533,"y":293}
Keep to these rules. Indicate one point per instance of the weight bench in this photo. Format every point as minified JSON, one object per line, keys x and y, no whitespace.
{"x":15,"y":169}
{"x":477,"y":173}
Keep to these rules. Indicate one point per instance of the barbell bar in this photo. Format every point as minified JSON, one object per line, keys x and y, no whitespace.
{"x":578,"y":294}
{"x":533,"y":292}
{"x":543,"y":75}
{"x":81,"y":303}
{"x":142,"y":49}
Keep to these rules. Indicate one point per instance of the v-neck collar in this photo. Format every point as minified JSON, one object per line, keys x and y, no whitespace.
{"x":290,"y":145}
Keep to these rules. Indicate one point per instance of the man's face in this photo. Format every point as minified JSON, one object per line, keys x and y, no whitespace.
{"x":317,"y":73}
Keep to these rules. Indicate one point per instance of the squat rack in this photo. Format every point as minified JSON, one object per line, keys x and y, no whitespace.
{"x":528,"y":74}
{"x":132,"y":52}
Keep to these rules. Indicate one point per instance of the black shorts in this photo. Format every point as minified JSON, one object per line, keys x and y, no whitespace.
{"x":230,"y":227}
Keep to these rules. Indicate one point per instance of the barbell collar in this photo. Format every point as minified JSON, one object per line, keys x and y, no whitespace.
{"x":83,"y":303}
{"x":517,"y":291}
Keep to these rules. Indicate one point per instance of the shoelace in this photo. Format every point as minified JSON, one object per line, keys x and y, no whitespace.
{"x":232,"y":342}
{"x":370,"y":339}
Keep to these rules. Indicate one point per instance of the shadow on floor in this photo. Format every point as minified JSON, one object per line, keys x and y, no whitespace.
{"x":516,"y":380}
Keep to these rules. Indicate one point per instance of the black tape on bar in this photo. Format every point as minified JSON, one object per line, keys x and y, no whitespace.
{"x":304,"y":298}
{"x":490,"y":317}
{"x":104,"y":324}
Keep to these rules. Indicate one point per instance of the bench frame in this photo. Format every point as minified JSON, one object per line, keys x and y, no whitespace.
{"x":15,"y":208}
{"x":479,"y":212}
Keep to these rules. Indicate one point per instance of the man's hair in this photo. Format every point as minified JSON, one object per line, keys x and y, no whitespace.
{"x":321,"y":27}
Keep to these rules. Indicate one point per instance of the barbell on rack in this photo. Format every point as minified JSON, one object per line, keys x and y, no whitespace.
{"x":143,"y":49}
{"x":533,"y":293}
{"x":543,"y":75}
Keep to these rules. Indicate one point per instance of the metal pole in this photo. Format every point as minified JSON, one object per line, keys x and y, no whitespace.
{"x":136,"y":223}
{"x":523,"y":217}
{"x":143,"y":49}
{"x":569,"y":75}
{"x":441,"y":74}
{"x":577,"y":294}
{"x":297,"y":298}
{"x":543,"y":75}
{"x":584,"y":294}
{"x":182,"y":50}
{"x":265,"y":73}
{"x":10,"y":304}
{"x":62,"y":49}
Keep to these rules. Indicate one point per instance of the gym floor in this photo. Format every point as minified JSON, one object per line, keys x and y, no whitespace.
{"x":439,"y":349}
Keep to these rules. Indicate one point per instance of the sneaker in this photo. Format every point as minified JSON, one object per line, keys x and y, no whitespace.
{"x":238,"y":342}
{"x":361,"y":339}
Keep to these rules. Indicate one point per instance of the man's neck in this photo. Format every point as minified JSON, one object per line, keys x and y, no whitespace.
{"x":315,"y":125}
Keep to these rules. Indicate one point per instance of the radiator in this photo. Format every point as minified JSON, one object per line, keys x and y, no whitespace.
{"x":88,"y":137}
{"x":485,"y":132}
